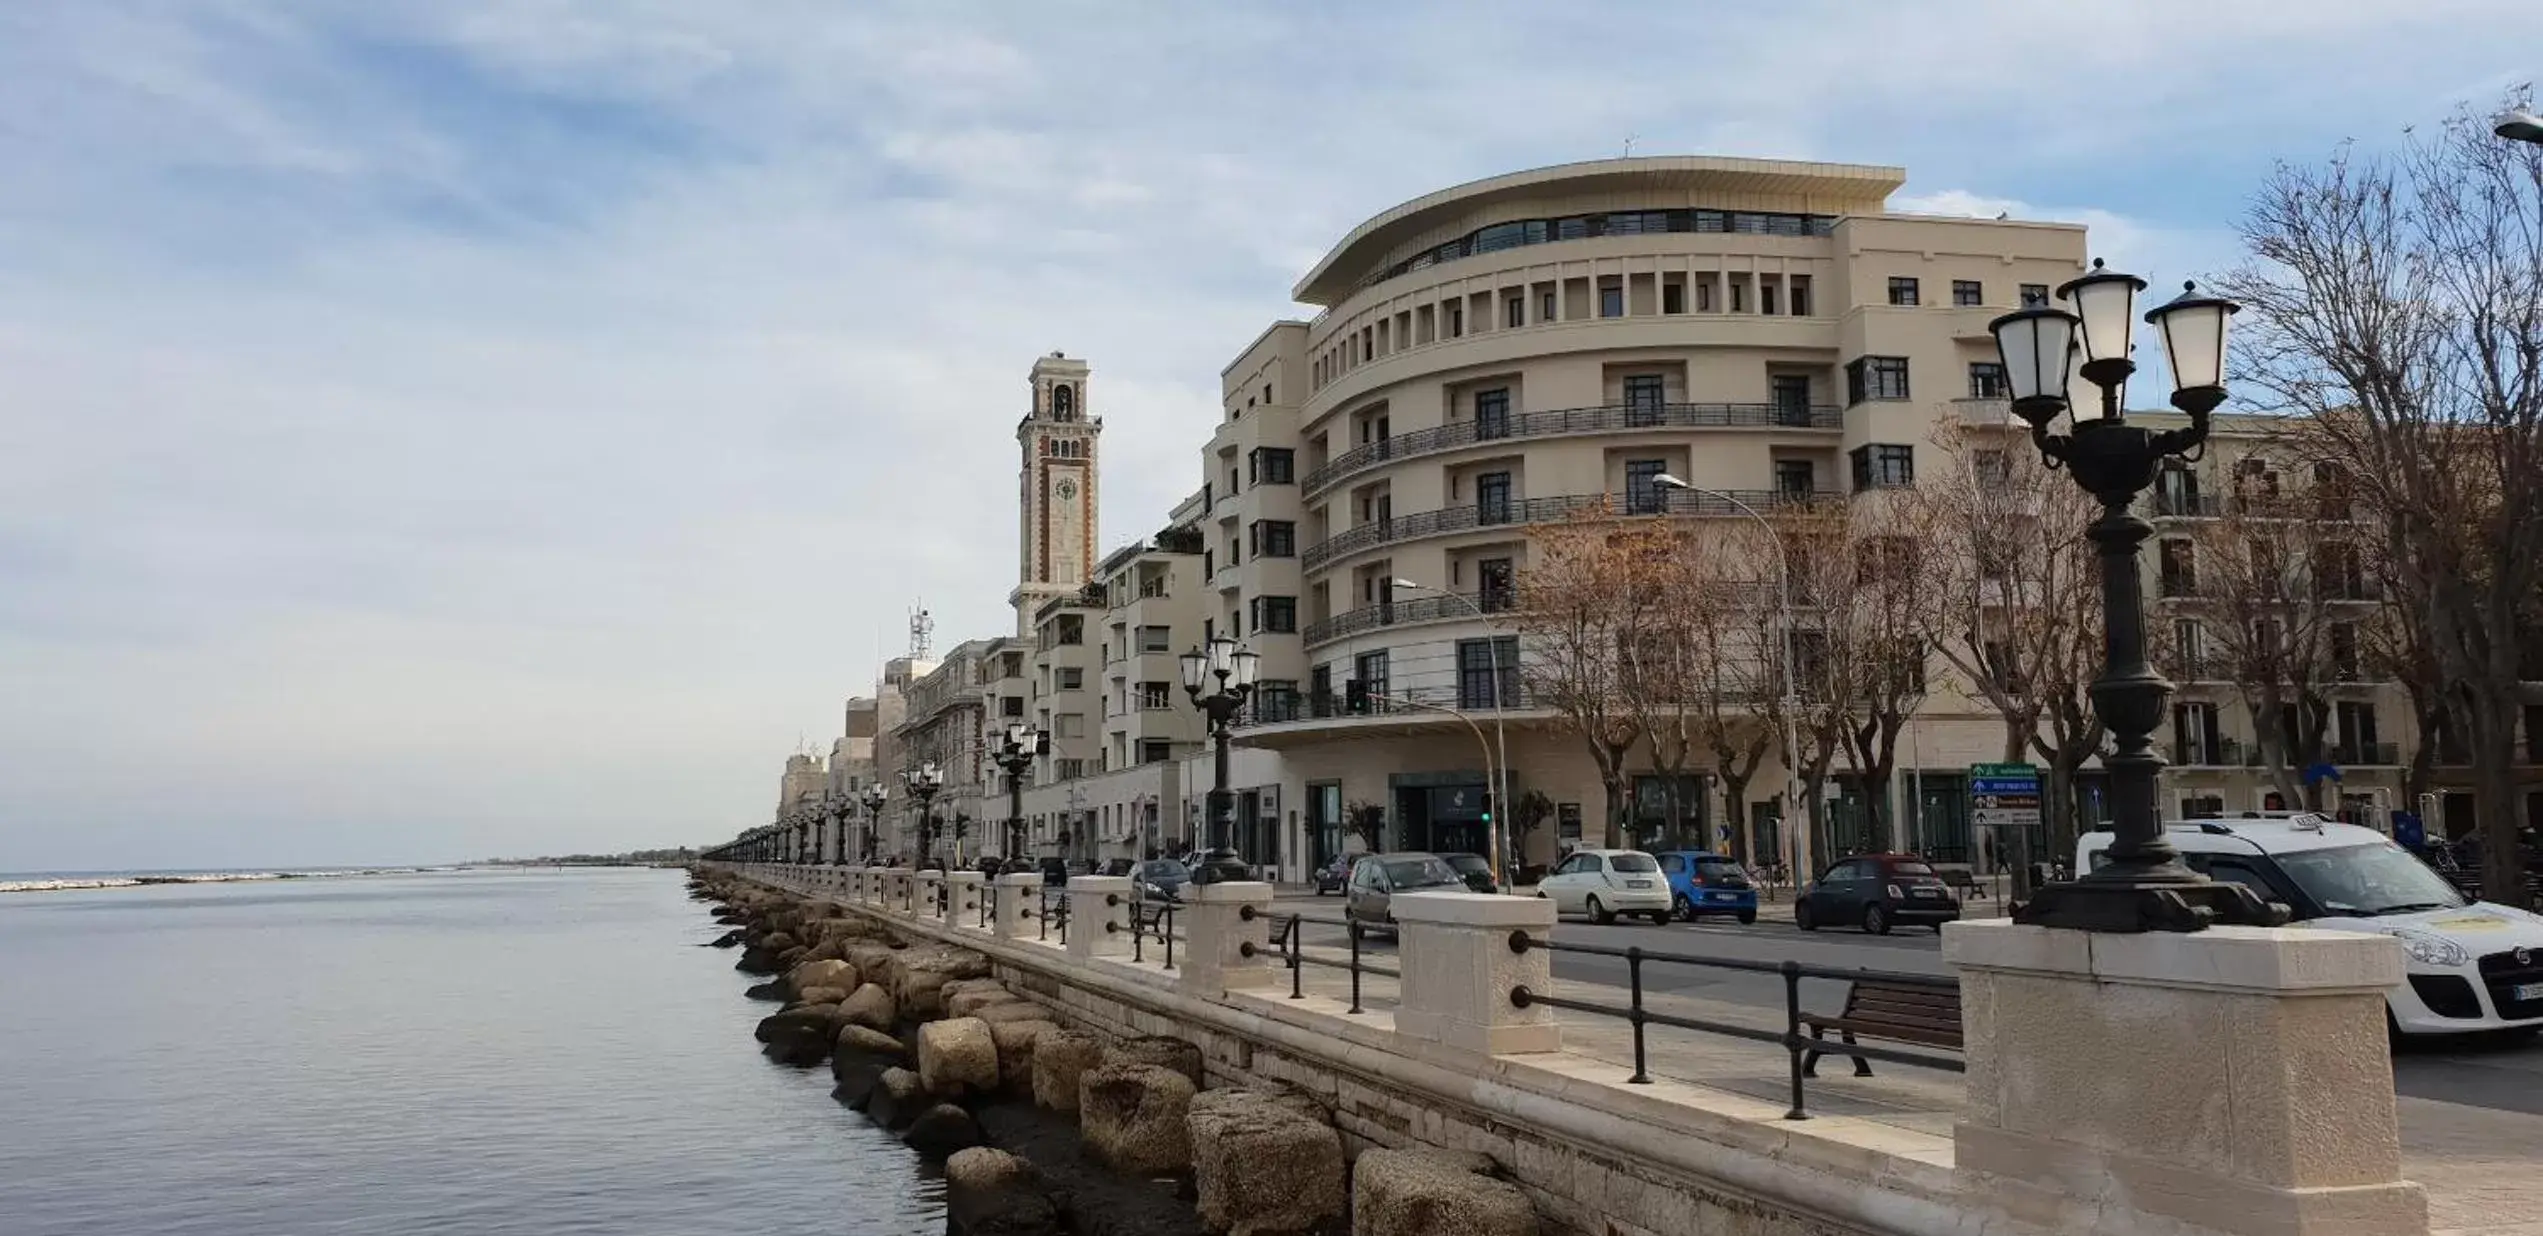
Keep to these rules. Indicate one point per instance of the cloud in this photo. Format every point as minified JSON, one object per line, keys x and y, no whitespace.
{"x":435,"y":429}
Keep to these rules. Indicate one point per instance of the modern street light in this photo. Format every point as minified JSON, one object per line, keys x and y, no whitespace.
{"x":2518,"y":126}
{"x":1500,"y":736}
{"x":875,"y":797}
{"x":1220,"y":679}
{"x":1797,"y":845}
{"x":1014,"y":757}
{"x":923,"y":782}
{"x":2145,"y":886}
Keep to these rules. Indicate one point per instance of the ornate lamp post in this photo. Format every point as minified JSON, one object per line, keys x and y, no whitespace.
{"x":2144,"y":887}
{"x":842,"y":810}
{"x":1220,"y":678}
{"x":1014,"y":756}
{"x":922,"y":783}
{"x":803,"y":818}
{"x":875,"y":797}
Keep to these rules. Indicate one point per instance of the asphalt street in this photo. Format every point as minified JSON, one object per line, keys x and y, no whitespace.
{"x":2501,"y":1073}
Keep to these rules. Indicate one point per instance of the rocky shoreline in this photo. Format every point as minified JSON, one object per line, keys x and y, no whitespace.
{"x":1044,"y":1129}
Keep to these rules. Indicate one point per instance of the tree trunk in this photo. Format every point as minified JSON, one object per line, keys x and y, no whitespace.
{"x":1615,"y":789}
{"x":1735,"y":814}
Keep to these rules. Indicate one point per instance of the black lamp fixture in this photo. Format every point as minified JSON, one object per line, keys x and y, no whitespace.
{"x":1017,"y":749}
{"x":923,"y":783}
{"x":875,"y":797}
{"x":2145,"y":886}
{"x":1220,"y":678}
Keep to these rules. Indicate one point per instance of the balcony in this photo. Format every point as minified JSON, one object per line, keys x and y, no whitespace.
{"x":1429,"y":607}
{"x":1402,"y":702}
{"x":1560,"y":422}
{"x":2186,"y":506}
{"x":1525,"y":511}
{"x":2212,"y":753}
{"x":1983,"y":412}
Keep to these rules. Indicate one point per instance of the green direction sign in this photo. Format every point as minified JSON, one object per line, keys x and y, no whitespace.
{"x":2007,"y":771}
{"x":2004,"y":796}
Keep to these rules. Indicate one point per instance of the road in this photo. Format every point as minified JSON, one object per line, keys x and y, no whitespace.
{"x":2505,"y":1074}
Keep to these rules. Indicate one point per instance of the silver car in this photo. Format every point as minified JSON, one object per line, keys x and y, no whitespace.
{"x":1376,"y":878}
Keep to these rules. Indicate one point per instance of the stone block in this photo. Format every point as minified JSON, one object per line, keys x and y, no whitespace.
{"x":871,"y":1007}
{"x":1433,"y":1193}
{"x":1260,"y":1164}
{"x":956,"y":1057}
{"x":1163,"y":1051}
{"x":897,"y":1099}
{"x":1135,"y":1118}
{"x":1015,"y":1041}
{"x":942,"y":1130}
{"x":1459,"y":971}
{"x":819,"y":995}
{"x":1060,"y":1061}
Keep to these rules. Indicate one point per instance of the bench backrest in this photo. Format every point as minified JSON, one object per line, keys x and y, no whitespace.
{"x":1916,"y":1014}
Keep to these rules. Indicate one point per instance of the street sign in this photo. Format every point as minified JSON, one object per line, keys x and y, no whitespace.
{"x":2004,"y":796}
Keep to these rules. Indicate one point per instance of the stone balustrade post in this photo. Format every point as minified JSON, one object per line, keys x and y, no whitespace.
{"x":925,"y":887}
{"x":1217,"y":931}
{"x":962,"y":898}
{"x":1459,"y":971}
{"x":1098,"y":916}
{"x":1019,"y":899}
{"x":2235,"y":1080}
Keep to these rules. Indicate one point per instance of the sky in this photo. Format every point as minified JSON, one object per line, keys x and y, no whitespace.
{"x":432,"y":429}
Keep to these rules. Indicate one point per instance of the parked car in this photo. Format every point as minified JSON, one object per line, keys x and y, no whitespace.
{"x":1121,"y":867}
{"x":2466,"y":965}
{"x":1702,"y":882}
{"x":1160,"y":879}
{"x":1376,"y":878}
{"x":1605,"y":883}
{"x":1054,"y":871}
{"x":1333,"y":876}
{"x":1217,"y":865}
{"x":1876,"y":892}
{"x":1476,"y":872}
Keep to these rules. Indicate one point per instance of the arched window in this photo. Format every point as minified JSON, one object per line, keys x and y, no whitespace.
{"x":1063,"y":403}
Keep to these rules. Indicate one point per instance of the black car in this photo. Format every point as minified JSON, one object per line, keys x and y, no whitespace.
{"x":1054,"y":871}
{"x":1473,"y":870}
{"x":1331,"y":877}
{"x":1876,"y":892}
{"x":1160,"y":879}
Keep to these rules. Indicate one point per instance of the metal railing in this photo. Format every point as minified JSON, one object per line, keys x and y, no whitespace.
{"x":1385,"y":702}
{"x":1802,"y":1051}
{"x":1522,"y":511}
{"x":1434,"y":607}
{"x":1555,"y":422}
{"x":1286,"y":942}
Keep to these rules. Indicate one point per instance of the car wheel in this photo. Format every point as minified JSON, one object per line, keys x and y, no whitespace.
{"x":1875,"y":921}
{"x":1602,"y":914}
{"x":1660,"y":918}
{"x":1801,"y":917}
{"x":1746,"y":917}
{"x":1685,"y":909}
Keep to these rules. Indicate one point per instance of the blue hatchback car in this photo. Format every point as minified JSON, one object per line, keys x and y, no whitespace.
{"x":1702,"y":883}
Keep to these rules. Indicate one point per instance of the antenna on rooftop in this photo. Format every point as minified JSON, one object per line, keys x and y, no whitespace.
{"x":922,"y":635}
{"x":1629,"y":145}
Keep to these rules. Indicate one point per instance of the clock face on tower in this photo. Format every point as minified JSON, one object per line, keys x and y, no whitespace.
{"x":1067,"y":490}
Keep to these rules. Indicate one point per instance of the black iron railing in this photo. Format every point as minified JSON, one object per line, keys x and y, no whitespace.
{"x":1802,"y":1049}
{"x":1523,"y":511}
{"x":1286,"y":941}
{"x":1555,"y":422}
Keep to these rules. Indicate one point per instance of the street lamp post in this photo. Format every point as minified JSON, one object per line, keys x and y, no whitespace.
{"x":1796,"y":829}
{"x":2518,"y":126}
{"x":1014,"y":757}
{"x":875,"y":797}
{"x":1500,"y":736}
{"x":2145,"y":886}
{"x":922,"y":783}
{"x":1220,"y":679}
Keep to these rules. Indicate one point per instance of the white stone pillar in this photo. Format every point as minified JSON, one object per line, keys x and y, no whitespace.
{"x":1459,"y":970}
{"x":1098,"y":916}
{"x":1019,"y":899}
{"x":963,"y":898}
{"x":925,"y":886}
{"x":2235,"y":1079}
{"x":1215,"y":934}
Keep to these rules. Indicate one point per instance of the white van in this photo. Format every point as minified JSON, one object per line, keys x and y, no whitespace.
{"x":2470,"y":965}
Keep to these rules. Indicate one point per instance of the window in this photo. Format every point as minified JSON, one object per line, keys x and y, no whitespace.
{"x":1492,"y":413}
{"x":1673,"y":298}
{"x":1514,"y":312}
{"x":1875,"y":377}
{"x":1488,"y":672}
{"x":1992,"y":468}
{"x":1011,"y":706}
{"x":1902,"y":290}
{"x":1545,"y":308}
{"x":1456,"y":322}
{"x":1795,"y":478}
{"x":1155,"y":751}
{"x":1271,"y":465}
{"x":1275,"y":538}
{"x":1965,"y":292}
{"x":1645,"y":399}
{"x":2355,"y":722}
{"x":1766,"y":299}
{"x":1800,"y":285}
{"x":2344,"y":651}
{"x":1986,"y":380}
{"x":1156,"y":639}
{"x":1492,"y":498}
{"x":2194,"y":736}
{"x":1072,"y":678}
{"x":1884,"y":466}
{"x":1155,"y":695}
{"x":2034,"y":295}
{"x":1642,"y":495}
{"x":1611,"y":301}
{"x":2180,"y":569}
{"x":1069,"y":725}
{"x":1071,"y":769}
{"x":1494,"y":590}
{"x":1369,"y":672}
{"x":2189,"y":652}
{"x":1792,"y":398}
{"x":1276,"y":699}
{"x":1277,"y":615}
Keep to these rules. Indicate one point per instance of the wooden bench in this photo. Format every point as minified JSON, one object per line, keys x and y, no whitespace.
{"x":1895,"y":1012}
{"x":1962,"y":881}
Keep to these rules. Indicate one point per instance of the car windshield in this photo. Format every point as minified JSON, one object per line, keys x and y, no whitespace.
{"x":1468,"y":862}
{"x":1636,"y":864}
{"x":1164,"y":869}
{"x":1423,"y":872}
{"x":1910,"y":867}
{"x":2376,"y":878}
{"x":1717,"y":868}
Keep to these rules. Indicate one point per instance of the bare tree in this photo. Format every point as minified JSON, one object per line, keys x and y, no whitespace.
{"x":1579,"y":608}
{"x":1701,"y":687}
{"x":2399,"y":302}
{"x":1859,"y":651}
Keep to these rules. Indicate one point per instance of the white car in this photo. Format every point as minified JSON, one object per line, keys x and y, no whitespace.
{"x":1605,"y":883}
{"x":2469,"y":965}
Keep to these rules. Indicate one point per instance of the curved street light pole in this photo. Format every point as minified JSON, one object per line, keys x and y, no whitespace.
{"x":1014,"y":756}
{"x":875,"y":797}
{"x":1500,"y":735}
{"x":1233,"y":668}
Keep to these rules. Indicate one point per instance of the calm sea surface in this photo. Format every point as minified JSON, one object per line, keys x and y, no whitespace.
{"x":480,"y":1052}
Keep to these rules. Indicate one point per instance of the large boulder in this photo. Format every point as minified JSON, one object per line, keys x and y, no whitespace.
{"x":956,"y":1057}
{"x":1015,"y":1041}
{"x":992,"y":1193}
{"x":986,"y":1167}
{"x":1013,"y":1010}
{"x":921,"y":975}
{"x":727,"y":940}
{"x":1135,"y":1118}
{"x":819,"y":995}
{"x":1261,"y":1165}
{"x":823,"y":973}
{"x":756,"y":959}
{"x":858,"y":1058}
{"x":871,"y":1007}
{"x":1060,"y":1062}
{"x":827,"y":950}
{"x":975,"y":995}
{"x":813,"y":1015}
{"x":1431,"y":1193}
{"x":773,"y":989}
{"x":1162,"y":1051}
{"x":870,"y":1041}
{"x":896,"y":1099}
{"x":778,"y":941}
{"x":941,"y":1130}
{"x":800,"y":1036}
{"x":872,"y":959}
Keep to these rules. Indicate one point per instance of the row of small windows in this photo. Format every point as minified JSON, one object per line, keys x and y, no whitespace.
{"x":1609,"y":296}
{"x":1965,"y":293}
{"x":1066,"y":448}
{"x":1614,"y":223}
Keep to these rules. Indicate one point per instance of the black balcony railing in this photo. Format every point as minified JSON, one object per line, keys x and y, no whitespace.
{"x":1548,"y":510}
{"x":1556,"y":422}
{"x":2187,"y":506}
{"x":1473,"y":697}
{"x":1428,"y":607}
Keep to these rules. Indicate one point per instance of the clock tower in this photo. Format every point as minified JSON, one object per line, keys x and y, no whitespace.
{"x":1056,"y":501}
